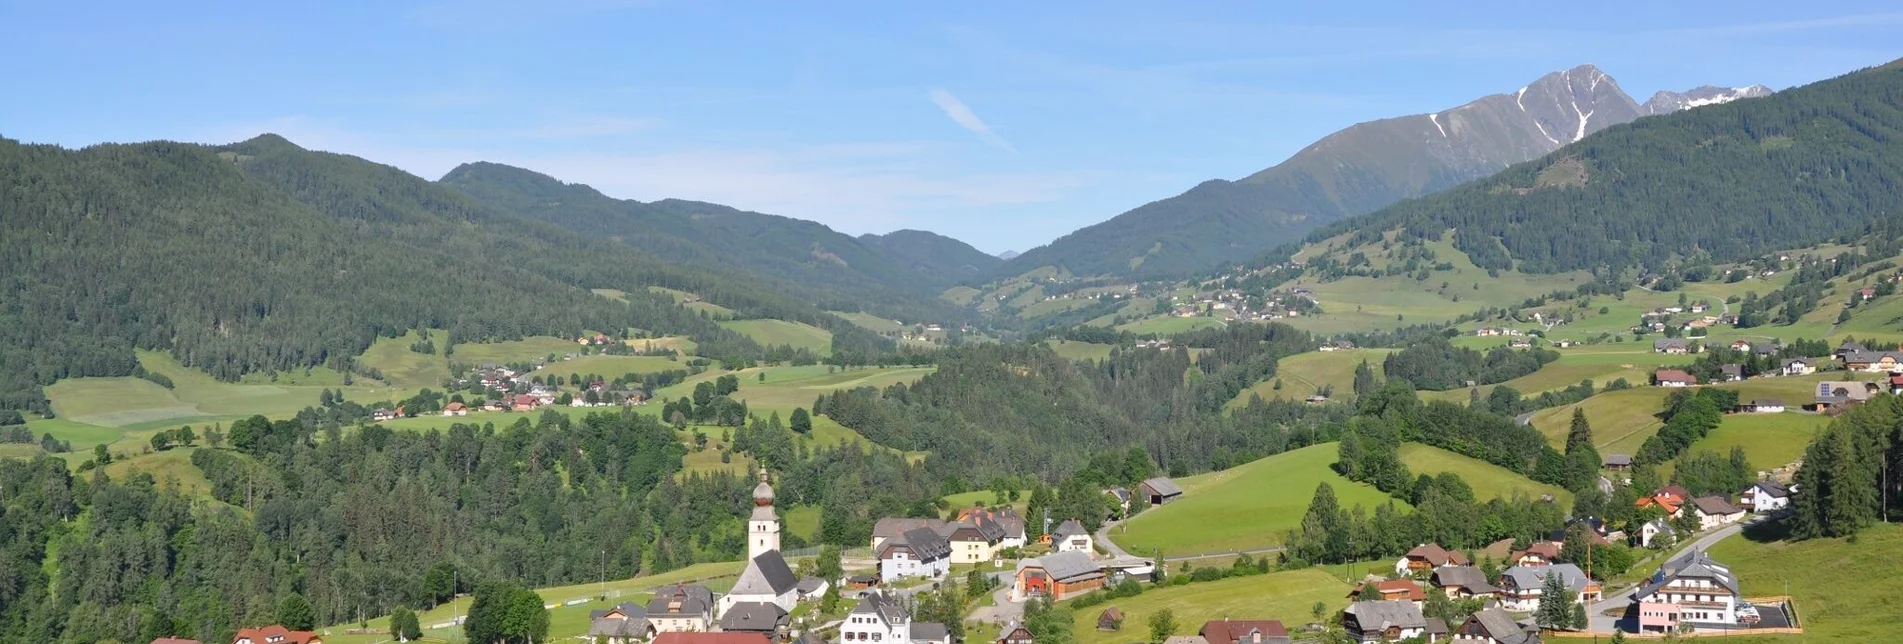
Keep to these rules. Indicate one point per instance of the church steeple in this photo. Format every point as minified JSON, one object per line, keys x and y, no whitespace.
{"x":763,"y":529}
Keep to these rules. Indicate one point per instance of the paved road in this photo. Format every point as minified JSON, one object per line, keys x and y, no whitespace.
{"x":1003,"y":611}
{"x":1621,"y":600}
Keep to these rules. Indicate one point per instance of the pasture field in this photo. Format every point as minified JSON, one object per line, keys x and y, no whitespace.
{"x":1304,"y":374}
{"x":781,"y":332}
{"x":696,"y":304}
{"x":1170,"y":325}
{"x":173,"y":469}
{"x":1770,"y":440}
{"x":566,"y":622}
{"x":1489,"y":481}
{"x":1621,"y":420}
{"x":870,"y":322}
{"x":1244,"y":507}
{"x":1074,"y":350}
{"x":1601,"y":363}
{"x":1288,"y":595}
{"x":406,"y":369}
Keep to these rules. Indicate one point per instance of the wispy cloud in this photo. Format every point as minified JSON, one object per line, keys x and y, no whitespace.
{"x":965,"y":118}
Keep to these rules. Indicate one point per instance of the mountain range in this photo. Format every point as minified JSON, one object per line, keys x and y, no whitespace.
{"x":1354,"y":171}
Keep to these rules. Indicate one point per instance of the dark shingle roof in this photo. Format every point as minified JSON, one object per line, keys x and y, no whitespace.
{"x":1772,"y":488}
{"x":923,"y":543}
{"x":1501,"y":626}
{"x":1618,"y":459}
{"x":1163,"y":486}
{"x":1715,"y":505}
{"x":878,"y":605}
{"x":930,"y":632}
{"x":1692,"y":565}
{"x":1069,"y":527}
{"x":1377,"y":616}
{"x":695,"y":600}
{"x":756,"y":617}
{"x":1468,"y":577}
{"x":767,"y":574}
{"x":1065,"y":565}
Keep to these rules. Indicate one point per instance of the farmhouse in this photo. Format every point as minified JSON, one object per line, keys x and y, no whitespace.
{"x":1538,"y":554}
{"x":1834,"y":395}
{"x":889,"y":528}
{"x":455,"y":409}
{"x":1673,"y":346}
{"x":1874,"y":361}
{"x":1670,"y":498}
{"x":1731,"y":372}
{"x":917,"y":553}
{"x":1494,"y":626}
{"x":1798,"y":367}
{"x":1618,"y":462}
{"x":1714,"y":511}
{"x":1382,"y":621}
{"x":1461,"y":582}
{"x":1244,"y":631}
{"x":1765,"y":496}
{"x":1160,"y":490}
{"x":1763,"y":406}
{"x":681,"y":609}
{"x":1005,"y":517}
{"x":975,"y":541}
{"x":1070,"y":536}
{"x":1428,"y":556}
{"x":1521,"y":585}
{"x":1058,"y":576}
{"x":1692,"y":588}
{"x":624,"y":624}
{"x":1393,"y":590}
{"x":1015,"y":633}
{"x":882,"y":619}
{"x":275,"y":634}
{"x":1674,"y":378}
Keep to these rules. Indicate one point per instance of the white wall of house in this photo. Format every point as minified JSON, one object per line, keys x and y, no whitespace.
{"x":901,"y":564}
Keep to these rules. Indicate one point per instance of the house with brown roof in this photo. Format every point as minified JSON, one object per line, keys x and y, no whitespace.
{"x":1015,"y":633}
{"x":455,"y":409}
{"x":1714,"y":511}
{"x":1494,"y":626}
{"x":1462,"y":582}
{"x":1538,"y":554}
{"x":1371,"y":621}
{"x":1671,"y":499}
{"x":275,"y":634}
{"x":1392,"y":590}
{"x":1428,"y":556}
{"x":1673,"y":378}
{"x":1244,"y":631}
{"x":1160,"y":490}
{"x":1110,"y":619}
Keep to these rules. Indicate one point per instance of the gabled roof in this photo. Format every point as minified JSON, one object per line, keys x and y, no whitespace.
{"x":1069,"y":527}
{"x":1533,"y":577}
{"x":930,"y":632}
{"x":810,"y":584}
{"x":1545,"y":549}
{"x":876,"y":604}
{"x":892,"y":527}
{"x":767,"y":574}
{"x":1163,"y":486}
{"x":634,"y":624}
{"x":1434,"y":554}
{"x":1674,"y":375}
{"x":1772,"y":488}
{"x":1618,"y":459}
{"x":1500,"y":626}
{"x":757,"y":617}
{"x":923,"y":543}
{"x":695,"y":601}
{"x":1232,"y":631}
{"x":1767,"y":402}
{"x":1468,"y":577}
{"x":1715,"y":505}
{"x":680,"y":637}
{"x":275,"y":633}
{"x":1064,"y":565}
{"x":1695,"y":564}
{"x":1373,"y":616}
{"x":1667,"y":343}
{"x":1393,"y":589}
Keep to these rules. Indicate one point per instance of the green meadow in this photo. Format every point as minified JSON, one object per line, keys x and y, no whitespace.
{"x":1288,"y":595}
{"x":1489,"y":481}
{"x":1244,"y":507}
{"x":781,"y":332}
{"x":1305,"y":374}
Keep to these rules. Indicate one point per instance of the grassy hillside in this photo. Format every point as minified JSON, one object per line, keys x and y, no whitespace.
{"x":610,"y":366}
{"x":1814,"y":572}
{"x":1770,"y":440}
{"x":1304,"y":374}
{"x":778,"y":332}
{"x":1602,"y":364}
{"x":1075,"y":350}
{"x":1250,"y":506}
{"x":1288,"y":596}
{"x":1488,"y":480}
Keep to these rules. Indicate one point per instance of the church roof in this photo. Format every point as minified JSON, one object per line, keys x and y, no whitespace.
{"x":766,"y":575}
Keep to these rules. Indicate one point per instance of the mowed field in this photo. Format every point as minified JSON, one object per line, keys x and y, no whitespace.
{"x":610,"y":367}
{"x":1769,"y":440}
{"x":1622,"y":420}
{"x":1844,"y":591}
{"x":1601,"y":363}
{"x":1170,"y":325}
{"x":1489,"y":481}
{"x":1304,"y":374}
{"x":781,"y":332}
{"x":1074,"y":350}
{"x":566,"y":621}
{"x":1287,"y":595}
{"x":1244,"y":507}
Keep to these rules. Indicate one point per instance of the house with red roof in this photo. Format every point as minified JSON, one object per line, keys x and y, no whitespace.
{"x":275,"y":634}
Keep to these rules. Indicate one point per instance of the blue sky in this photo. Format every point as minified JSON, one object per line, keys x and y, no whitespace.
{"x":1002,"y":124}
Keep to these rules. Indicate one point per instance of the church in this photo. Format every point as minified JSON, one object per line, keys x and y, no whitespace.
{"x":766,"y":591}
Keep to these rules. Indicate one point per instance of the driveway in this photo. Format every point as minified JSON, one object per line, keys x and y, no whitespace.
{"x":1622,"y":600}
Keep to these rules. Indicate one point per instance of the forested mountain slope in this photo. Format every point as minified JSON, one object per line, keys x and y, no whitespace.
{"x":263,"y":256}
{"x":1351,"y":172}
{"x":836,"y":270}
{"x":1728,"y":181}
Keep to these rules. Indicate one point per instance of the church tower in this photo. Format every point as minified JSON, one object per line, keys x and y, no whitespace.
{"x":763,"y":530}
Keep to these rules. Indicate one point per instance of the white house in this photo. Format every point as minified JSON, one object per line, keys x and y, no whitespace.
{"x":1767,"y":406}
{"x":1765,"y":496}
{"x":1714,"y":511}
{"x":1522,"y":585}
{"x":919,"y":552}
{"x":1655,"y":530}
{"x":1070,"y":536}
{"x":1798,"y":367}
{"x":879,"y":619}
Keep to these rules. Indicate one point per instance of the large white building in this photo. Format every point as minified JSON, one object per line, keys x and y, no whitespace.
{"x":1765,"y":496}
{"x":879,"y":619}
{"x":1690,"y":589}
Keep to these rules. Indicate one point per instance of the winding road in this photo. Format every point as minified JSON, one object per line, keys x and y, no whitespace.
{"x":1604,"y":624}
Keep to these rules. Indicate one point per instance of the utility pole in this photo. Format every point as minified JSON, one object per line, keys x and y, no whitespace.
{"x":604,"y":574}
